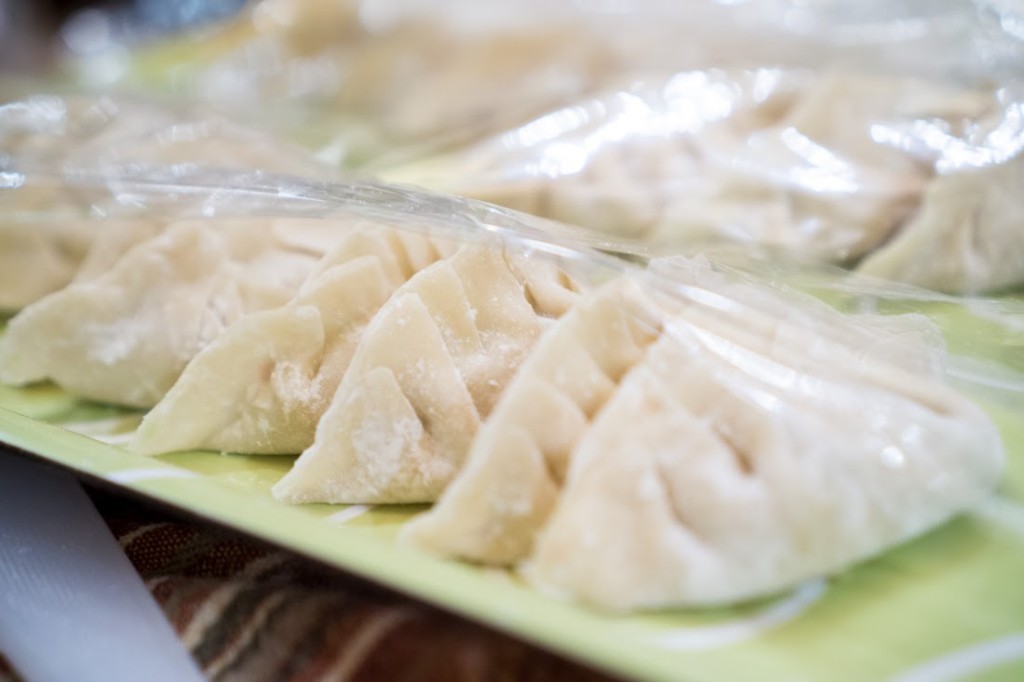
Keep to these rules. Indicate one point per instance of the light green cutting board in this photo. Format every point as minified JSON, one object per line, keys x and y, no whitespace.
{"x":947,"y":606}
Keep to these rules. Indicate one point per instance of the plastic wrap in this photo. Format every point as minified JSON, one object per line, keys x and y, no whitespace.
{"x":703,"y":434}
{"x":59,"y":131}
{"x":47,"y":228}
{"x":365,"y":76}
{"x":358,"y":79}
{"x":898,"y":177}
{"x":884,"y":136}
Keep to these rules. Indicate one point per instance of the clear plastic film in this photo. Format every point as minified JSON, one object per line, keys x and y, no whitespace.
{"x":702,"y":434}
{"x":358,"y":79}
{"x":370,"y":75}
{"x":58,"y":130}
{"x":48,"y":227}
{"x":896,"y":176}
{"x":882,"y":136}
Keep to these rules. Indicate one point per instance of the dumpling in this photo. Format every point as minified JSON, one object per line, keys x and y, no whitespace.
{"x":615,"y":160}
{"x":465,"y":94}
{"x":430,"y":364}
{"x":124,"y":336}
{"x":37,"y":259}
{"x":738,"y":454}
{"x":779,"y":158}
{"x":261,"y":387}
{"x":812,"y":182}
{"x":717,"y":473}
{"x":42,"y":242}
{"x":45,"y":236}
{"x":394,"y":77}
{"x":967,"y":237}
{"x":817,"y":182}
{"x":494,"y":507}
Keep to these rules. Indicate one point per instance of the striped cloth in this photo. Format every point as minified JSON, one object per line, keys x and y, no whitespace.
{"x":250,"y":613}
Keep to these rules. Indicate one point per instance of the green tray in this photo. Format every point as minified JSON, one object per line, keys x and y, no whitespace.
{"x":949,"y":605}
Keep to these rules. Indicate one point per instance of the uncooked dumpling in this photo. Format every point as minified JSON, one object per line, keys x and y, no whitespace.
{"x":718,"y":473}
{"x":466,"y":94}
{"x":738,"y":452}
{"x":125,"y":335}
{"x":494,"y":507}
{"x":818,"y":181}
{"x":434,"y":359}
{"x":812,"y":182}
{"x":45,"y":236}
{"x":261,"y":387}
{"x":412,"y":75}
{"x":612,"y":163}
{"x":38,"y":259}
{"x":824,"y":165}
{"x":967,"y":237}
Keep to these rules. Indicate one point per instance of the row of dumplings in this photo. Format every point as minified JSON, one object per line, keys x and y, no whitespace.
{"x":899,"y":177}
{"x":635,"y":439}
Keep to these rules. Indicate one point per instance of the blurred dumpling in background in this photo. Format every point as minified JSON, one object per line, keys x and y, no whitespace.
{"x":50,"y":229}
{"x":832,"y":165}
{"x":967,"y":235}
{"x":39,"y":257}
{"x":364,"y":77}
